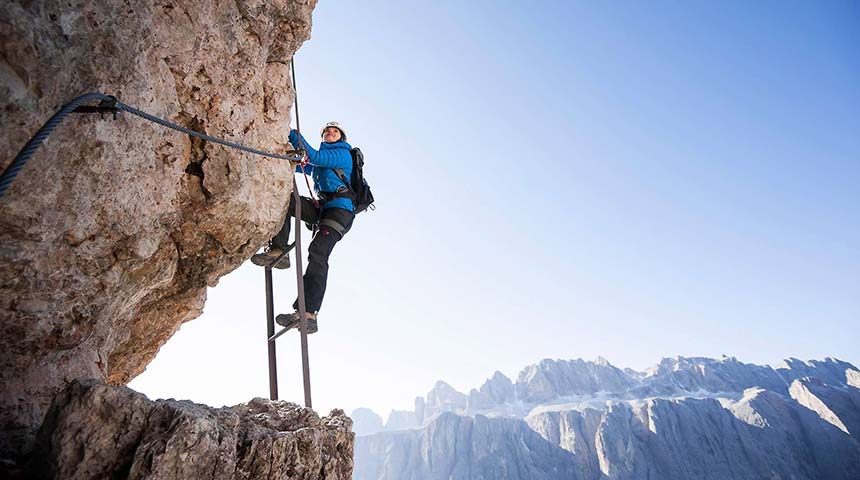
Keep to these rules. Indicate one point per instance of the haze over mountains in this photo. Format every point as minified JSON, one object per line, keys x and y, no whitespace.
{"x":691,"y":418}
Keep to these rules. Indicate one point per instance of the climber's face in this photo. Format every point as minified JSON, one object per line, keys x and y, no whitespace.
{"x":331,"y":134}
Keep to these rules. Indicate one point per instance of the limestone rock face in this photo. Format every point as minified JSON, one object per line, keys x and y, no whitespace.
{"x":553,"y":378}
{"x":365,"y":421}
{"x":830,"y":370}
{"x":687,"y":418}
{"x":111,"y":234}
{"x":725,"y":375}
{"x":443,"y":398}
{"x":461,"y":448}
{"x":496,"y":390}
{"x":852,"y":377}
{"x":837,"y":406}
{"x":95,"y":431}
{"x":401,"y":420}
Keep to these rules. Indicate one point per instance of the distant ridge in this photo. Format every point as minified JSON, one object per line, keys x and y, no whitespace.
{"x":682,"y":418}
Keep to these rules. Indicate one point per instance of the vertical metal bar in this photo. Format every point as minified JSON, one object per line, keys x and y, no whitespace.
{"x":270,"y":330}
{"x":295,"y":91}
{"x":303,"y":320}
{"x":306,"y":371}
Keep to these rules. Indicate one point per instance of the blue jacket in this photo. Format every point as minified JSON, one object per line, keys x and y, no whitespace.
{"x":322,"y":165}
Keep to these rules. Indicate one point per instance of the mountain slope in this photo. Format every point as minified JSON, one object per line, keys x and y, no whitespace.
{"x":686,"y":418}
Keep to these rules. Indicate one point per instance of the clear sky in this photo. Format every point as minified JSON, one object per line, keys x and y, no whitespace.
{"x":631,"y":180}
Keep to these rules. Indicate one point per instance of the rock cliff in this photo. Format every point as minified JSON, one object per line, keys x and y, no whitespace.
{"x":111,"y":234}
{"x":460,"y":448}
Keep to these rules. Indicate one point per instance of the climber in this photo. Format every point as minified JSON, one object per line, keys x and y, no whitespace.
{"x":334,"y":217}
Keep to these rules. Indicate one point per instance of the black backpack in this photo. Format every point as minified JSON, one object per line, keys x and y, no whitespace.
{"x":359,"y":190}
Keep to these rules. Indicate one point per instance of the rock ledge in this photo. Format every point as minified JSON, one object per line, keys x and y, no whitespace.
{"x":94,"y":430}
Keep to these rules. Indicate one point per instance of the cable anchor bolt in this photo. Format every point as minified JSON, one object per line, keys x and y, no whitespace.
{"x":106,"y":105}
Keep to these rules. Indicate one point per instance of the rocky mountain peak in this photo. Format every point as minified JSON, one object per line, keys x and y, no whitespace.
{"x":559,"y":378}
{"x":365,"y":421}
{"x":444,"y":398}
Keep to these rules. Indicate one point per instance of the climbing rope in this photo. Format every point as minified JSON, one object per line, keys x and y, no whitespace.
{"x":109,"y":103}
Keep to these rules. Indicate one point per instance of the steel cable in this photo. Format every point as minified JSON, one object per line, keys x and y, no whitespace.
{"x":9,"y":174}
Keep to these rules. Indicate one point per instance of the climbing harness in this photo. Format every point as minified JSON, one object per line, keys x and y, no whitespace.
{"x":109,"y":103}
{"x":334,"y":225}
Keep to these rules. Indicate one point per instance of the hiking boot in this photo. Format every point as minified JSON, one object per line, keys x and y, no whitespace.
{"x":268,"y":257}
{"x":292,"y":320}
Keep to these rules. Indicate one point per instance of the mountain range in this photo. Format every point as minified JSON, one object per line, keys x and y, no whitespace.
{"x":684,"y":418}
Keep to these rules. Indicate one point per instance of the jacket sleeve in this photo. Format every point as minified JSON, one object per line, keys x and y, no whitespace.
{"x":335,"y":158}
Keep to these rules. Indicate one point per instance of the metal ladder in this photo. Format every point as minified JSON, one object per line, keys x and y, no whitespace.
{"x":271,"y":336}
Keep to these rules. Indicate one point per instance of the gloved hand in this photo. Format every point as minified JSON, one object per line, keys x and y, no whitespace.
{"x":295,"y":139}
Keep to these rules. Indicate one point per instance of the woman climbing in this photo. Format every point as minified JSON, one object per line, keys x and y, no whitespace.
{"x":334,"y":217}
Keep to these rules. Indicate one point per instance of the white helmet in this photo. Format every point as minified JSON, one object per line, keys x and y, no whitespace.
{"x":335,"y":125}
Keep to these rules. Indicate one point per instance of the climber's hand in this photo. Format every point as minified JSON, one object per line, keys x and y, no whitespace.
{"x":294,"y":139}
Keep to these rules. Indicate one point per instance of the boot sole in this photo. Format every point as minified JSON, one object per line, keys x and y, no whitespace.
{"x":313,"y":327}
{"x":267,"y":262}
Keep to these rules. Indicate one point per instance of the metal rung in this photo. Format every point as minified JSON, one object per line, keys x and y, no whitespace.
{"x":281,"y":332}
{"x":287,"y":250}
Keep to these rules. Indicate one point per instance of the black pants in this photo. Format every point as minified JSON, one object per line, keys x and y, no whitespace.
{"x":321,"y":247}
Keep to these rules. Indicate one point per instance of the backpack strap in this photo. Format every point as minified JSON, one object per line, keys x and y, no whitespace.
{"x":342,"y":176}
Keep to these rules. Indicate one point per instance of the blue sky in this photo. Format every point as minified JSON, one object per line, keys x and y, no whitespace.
{"x":627,"y":179}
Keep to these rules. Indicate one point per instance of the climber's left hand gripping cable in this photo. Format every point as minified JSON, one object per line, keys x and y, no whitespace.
{"x":109,"y":103}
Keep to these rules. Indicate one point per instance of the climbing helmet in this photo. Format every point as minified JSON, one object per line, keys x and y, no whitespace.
{"x":337,"y":126}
